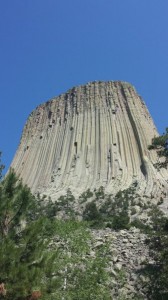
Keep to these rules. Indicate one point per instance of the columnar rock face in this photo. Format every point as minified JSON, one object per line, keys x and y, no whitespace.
{"x":94,"y":135}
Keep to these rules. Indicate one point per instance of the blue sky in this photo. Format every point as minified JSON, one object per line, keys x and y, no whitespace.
{"x":49,"y":46}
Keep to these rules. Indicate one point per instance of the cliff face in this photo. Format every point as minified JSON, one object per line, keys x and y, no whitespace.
{"x":94,"y":135}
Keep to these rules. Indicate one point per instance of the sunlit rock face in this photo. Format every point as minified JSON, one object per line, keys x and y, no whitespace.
{"x":93,"y":135}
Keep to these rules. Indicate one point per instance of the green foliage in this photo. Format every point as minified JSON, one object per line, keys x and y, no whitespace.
{"x":160,"y":141}
{"x":121,"y":221}
{"x":65,"y":202}
{"x":85,"y":195}
{"x":113,"y":213}
{"x":90,"y":284}
{"x":121,"y":201}
{"x":161,"y":145}
{"x":23,"y":240}
{"x":75,"y":235}
{"x":158,"y":219}
{"x":16,"y":204}
{"x":43,"y":255}
{"x":157,"y":273}
{"x":77,"y":274}
{"x":100,"y":193}
{"x":133,"y":211}
{"x":91,"y":212}
{"x":139,"y":224}
{"x":115,"y":210}
{"x":51,"y":209}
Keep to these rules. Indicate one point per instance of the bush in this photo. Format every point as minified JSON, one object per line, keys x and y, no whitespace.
{"x":121,"y":221}
{"x":100,"y":193}
{"x":139,"y":224}
{"x":91,"y":212}
{"x":85,"y":195}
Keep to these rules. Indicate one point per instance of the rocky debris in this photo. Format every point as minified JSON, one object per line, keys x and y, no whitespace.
{"x":128,"y":255}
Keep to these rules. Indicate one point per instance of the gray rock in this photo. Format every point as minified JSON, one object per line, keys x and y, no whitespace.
{"x":118,"y":266}
{"x":53,"y":123}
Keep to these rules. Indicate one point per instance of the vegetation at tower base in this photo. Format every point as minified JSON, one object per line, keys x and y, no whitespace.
{"x":80,"y":275}
{"x":114,"y":213}
{"x":45,"y":258}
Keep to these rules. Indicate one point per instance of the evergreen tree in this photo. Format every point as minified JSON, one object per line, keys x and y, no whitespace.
{"x":157,"y":272}
{"x":23,"y":242}
{"x":91,"y":212}
{"x":160,"y":143}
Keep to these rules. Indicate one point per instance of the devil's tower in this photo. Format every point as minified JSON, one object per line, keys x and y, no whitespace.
{"x":94,"y":135}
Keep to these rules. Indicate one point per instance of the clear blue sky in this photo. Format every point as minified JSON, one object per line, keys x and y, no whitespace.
{"x":48,"y":46}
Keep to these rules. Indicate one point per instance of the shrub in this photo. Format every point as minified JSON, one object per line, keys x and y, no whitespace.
{"x":100,"y":193}
{"x":139,"y":224}
{"x":91,"y":212}
{"x":121,"y":221}
{"x":85,"y":195}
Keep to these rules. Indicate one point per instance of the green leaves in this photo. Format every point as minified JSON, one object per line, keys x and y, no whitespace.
{"x":91,"y":212}
{"x":24,"y":238}
{"x":45,"y":256}
{"x":157,"y":272}
{"x":79,"y":275}
{"x":161,"y":145}
{"x":16,"y":204}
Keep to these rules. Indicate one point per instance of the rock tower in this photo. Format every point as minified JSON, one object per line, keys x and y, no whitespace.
{"x":93,"y":135}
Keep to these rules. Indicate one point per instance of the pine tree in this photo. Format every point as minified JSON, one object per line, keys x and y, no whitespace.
{"x":158,"y":285}
{"x":160,"y":143}
{"x":24,"y":236}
